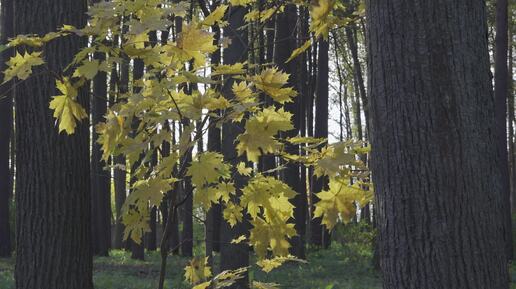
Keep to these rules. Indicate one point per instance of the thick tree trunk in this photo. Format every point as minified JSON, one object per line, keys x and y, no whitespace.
{"x":100,"y":178}
{"x":53,"y":231}
{"x":234,"y":256}
{"x":285,"y":45}
{"x":436,"y":170}
{"x":6,"y":124}
{"x":320,"y":235}
{"x":501,"y":95}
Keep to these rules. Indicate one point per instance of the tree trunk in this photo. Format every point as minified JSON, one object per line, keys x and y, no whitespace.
{"x":285,"y":45}
{"x":120,"y":171}
{"x":320,"y":235}
{"x":438,"y":180}
{"x":100,"y":178}
{"x":234,"y":256}
{"x":501,"y":95}
{"x":6,"y":124}
{"x":214,"y":214}
{"x":53,"y":207}
{"x":137,"y":250}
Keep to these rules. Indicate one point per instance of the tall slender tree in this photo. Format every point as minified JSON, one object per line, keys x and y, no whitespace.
{"x":137,"y":250}
{"x":100,"y":177}
{"x":6,"y":125}
{"x":53,"y":207}
{"x":438,"y":180}
{"x":120,"y":170}
{"x":319,"y":234}
{"x":234,"y":256}
{"x":286,"y":42}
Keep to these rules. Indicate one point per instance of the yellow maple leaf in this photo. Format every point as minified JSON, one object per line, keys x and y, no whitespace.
{"x":338,"y":202}
{"x":207,"y":168}
{"x":66,"y":109}
{"x":271,"y":81}
{"x":243,"y":169}
{"x":267,"y":265}
{"x":197,"y":270}
{"x":260,"y":131}
{"x":20,"y":66}
{"x":215,"y":16}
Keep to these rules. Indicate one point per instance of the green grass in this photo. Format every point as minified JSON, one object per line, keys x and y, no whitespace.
{"x":343,"y":267}
{"x":340,"y":267}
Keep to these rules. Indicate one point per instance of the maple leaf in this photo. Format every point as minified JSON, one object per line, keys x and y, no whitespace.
{"x":233,"y":213}
{"x":271,"y":81}
{"x":90,"y":68}
{"x":197,"y":270}
{"x":260,"y":131}
{"x":320,"y":13}
{"x":208,"y":168}
{"x":337,"y":202}
{"x":243,"y":92}
{"x":267,"y":265}
{"x":195,"y":43}
{"x":66,"y":109}
{"x":229,"y":69}
{"x":273,"y":236}
{"x":243,"y":169}
{"x":215,"y":16}
{"x":20,"y":66}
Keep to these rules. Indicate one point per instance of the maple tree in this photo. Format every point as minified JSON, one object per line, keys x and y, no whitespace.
{"x":169,"y":90}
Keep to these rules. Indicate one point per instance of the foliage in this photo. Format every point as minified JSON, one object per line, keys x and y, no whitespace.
{"x":175,"y":87}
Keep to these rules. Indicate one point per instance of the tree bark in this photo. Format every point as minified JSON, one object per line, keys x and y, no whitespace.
{"x":137,"y":250}
{"x":501,"y":96}
{"x":436,"y":171}
{"x":285,"y":45}
{"x":120,"y":171}
{"x":214,"y":214}
{"x":6,"y":125}
{"x":320,"y":235}
{"x":100,"y":177}
{"x":234,"y":256}
{"x":53,"y":207}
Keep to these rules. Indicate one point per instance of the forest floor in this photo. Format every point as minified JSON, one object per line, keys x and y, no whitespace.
{"x":346,"y":265}
{"x":340,"y":267}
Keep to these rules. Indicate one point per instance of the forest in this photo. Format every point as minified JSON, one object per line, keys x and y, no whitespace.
{"x":257,"y":144}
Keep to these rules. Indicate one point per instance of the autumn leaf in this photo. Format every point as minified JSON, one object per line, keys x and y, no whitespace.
{"x":67,"y":110}
{"x":20,"y":66}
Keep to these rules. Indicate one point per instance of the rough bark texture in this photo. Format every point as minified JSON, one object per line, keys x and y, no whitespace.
{"x":214,"y":214}
{"x":435,"y":165}
{"x":285,"y":45}
{"x":120,"y":170}
{"x":100,"y":177}
{"x":6,"y":124}
{"x":320,"y":235}
{"x":234,"y":256}
{"x":137,"y":250}
{"x":53,"y":233}
{"x":501,"y":94}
